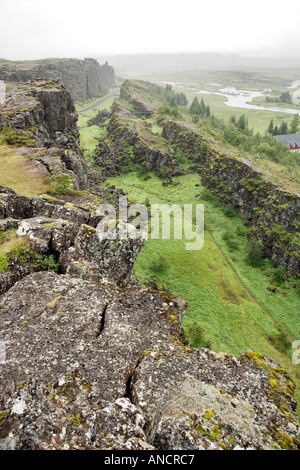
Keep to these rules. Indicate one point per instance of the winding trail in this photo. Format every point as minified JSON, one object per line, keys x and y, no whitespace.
{"x":248,"y":293}
{"x":99,"y":102}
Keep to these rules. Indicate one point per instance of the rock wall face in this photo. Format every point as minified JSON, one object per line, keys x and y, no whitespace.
{"x":84,"y":79}
{"x":136,"y":145}
{"x":41,"y":115}
{"x":272,"y":212}
{"x":68,"y":231}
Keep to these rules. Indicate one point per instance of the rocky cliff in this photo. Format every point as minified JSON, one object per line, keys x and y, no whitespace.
{"x":88,"y":358}
{"x":272,"y":213}
{"x":40,"y":117}
{"x":83,"y":78}
{"x":132,"y":141}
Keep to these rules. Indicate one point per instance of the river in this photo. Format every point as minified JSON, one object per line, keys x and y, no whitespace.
{"x":242,"y":98}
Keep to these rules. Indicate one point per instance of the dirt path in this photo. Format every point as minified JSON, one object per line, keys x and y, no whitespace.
{"x":99,"y":102}
{"x":247,"y":292}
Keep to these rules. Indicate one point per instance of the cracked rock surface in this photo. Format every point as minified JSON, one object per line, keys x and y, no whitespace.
{"x":92,"y":366}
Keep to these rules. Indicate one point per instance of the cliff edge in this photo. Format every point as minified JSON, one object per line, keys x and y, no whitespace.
{"x":88,"y":358}
{"x":84,"y":79}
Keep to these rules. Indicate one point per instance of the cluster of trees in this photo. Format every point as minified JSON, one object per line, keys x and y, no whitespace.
{"x":284,"y":128}
{"x":199,"y":109}
{"x":175,"y":99}
{"x":284,"y":97}
{"x":237,"y":133}
{"x":242,"y":124}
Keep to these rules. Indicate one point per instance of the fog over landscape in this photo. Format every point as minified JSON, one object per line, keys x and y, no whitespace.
{"x":38,"y":29}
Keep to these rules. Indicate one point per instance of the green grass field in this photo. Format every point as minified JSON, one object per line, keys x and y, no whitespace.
{"x":258,"y":120}
{"x":230,"y":308}
{"x":276,"y":80}
{"x":89,"y":135}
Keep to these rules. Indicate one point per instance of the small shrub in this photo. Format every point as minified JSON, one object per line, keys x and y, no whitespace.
{"x":159,"y":265}
{"x":154,"y":285}
{"x":35,"y":261}
{"x":229,"y":211}
{"x":3,"y":263}
{"x":197,"y":337}
{"x":59,"y":184}
{"x":181,"y":157}
{"x":254,"y":253}
{"x":280,"y":342}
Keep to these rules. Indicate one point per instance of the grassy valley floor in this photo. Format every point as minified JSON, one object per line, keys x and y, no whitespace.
{"x":230,"y":308}
{"x":89,"y":134}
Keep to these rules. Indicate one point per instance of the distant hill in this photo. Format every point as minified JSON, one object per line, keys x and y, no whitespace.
{"x":150,"y":63}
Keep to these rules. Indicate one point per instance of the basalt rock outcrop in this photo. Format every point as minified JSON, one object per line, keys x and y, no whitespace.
{"x":133,"y":143}
{"x":90,"y":360}
{"x":92,"y":366}
{"x":41,"y":117}
{"x":84,"y":79}
{"x":68,"y":232}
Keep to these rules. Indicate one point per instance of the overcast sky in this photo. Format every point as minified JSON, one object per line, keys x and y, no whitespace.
{"x":38,"y":29}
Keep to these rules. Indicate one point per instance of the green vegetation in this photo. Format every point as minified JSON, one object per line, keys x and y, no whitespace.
{"x":19,"y":247}
{"x":237,"y":135}
{"x":236,"y":300}
{"x":199,"y":109}
{"x":17,"y":171}
{"x":230,"y":307}
{"x":11,"y":137}
{"x":236,"y":132}
{"x":90,"y":134}
{"x":59,"y":184}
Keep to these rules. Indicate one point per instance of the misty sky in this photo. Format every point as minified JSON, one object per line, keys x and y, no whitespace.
{"x":38,"y":29}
